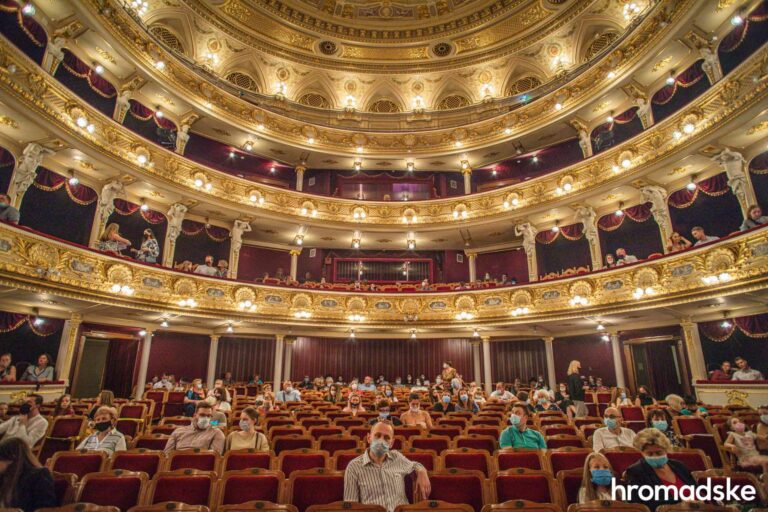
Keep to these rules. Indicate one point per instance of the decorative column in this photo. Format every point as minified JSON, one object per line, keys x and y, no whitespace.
{"x":585,"y":141}
{"x":487,"y":364}
{"x":472,"y":262}
{"x":175,"y":217}
{"x":618,"y":366}
{"x":693,"y":348}
{"x":477,"y":376}
{"x":528,"y":232}
{"x":278,"y":362}
{"x":733,"y":165}
{"x":711,"y":64}
{"x":122,"y":104}
{"x":657,"y":196}
{"x":467,"y":173}
{"x":236,"y":234}
{"x":294,"y":262}
{"x":70,"y":335}
{"x":588,"y":218}
{"x":549,"y":349}
{"x":146,"y":347}
{"x":288,"y":355}
{"x":182,"y":137}
{"x":104,"y":208}
{"x":213,"y":352}
{"x":25,"y":172}
{"x":53,"y":54}
{"x":300,"y":170}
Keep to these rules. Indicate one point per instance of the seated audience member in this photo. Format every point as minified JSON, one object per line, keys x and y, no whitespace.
{"x":596,"y":479}
{"x":222,"y":269}
{"x":333,"y":394}
{"x":415,"y":416}
{"x":754,"y":218}
{"x":599,"y":386}
{"x":523,"y":399}
{"x":742,"y":442}
{"x":610,"y":261}
{"x":745,"y":372}
{"x":353,"y":407}
{"x":662,"y":421}
{"x":218,"y":386}
{"x":644,"y":398}
{"x":306,"y":384}
{"x":678,"y":242}
{"x":267,"y":404}
{"x":701,"y":236}
{"x":389,"y":393}
{"x":367,"y":385}
{"x":149,"y":250}
{"x":612,"y":435}
{"x":24,"y":483}
{"x":444,"y":405}
{"x":219,"y":417}
{"x":543,"y":402}
{"x":621,"y":397}
{"x":518,"y":435}
{"x":377,"y":477}
{"x":7,"y":370}
{"x":165,"y":382}
{"x":220,"y":403}
{"x":563,"y":400}
{"x":8,"y":213}
{"x":762,"y":429}
{"x":622,"y":258}
{"x":105,"y":398}
{"x":194,"y":395}
{"x":500,"y":394}
{"x":655,"y":468}
{"x":256,"y":380}
{"x":200,"y":434}
{"x":692,"y":408}
{"x":280,"y":273}
{"x":3,"y":411}
{"x":725,"y":372}
{"x":106,"y":438}
{"x":675,"y":404}
{"x":207,"y":268}
{"x":227,"y":380}
{"x":29,"y":425}
{"x":288,"y":394}
{"x":110,"y":239}
{"x":41,"y":372}
{"x":185,"y":266}
{"x":465,"y":403}
{"x":385,"y":414}
{"x":63,"y":406}
{"x":248,"y":438}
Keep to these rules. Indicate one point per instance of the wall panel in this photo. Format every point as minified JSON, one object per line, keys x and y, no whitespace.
{"x":522,"y":359}
{"x":183,"y":355}
{"x":245,"y":357}
{"x":594,"y":354}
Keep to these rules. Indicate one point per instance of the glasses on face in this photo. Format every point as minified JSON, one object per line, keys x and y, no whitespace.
{"x":611,"y":416}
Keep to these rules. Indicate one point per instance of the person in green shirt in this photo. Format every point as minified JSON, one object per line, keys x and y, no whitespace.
{"x":518,"y":435}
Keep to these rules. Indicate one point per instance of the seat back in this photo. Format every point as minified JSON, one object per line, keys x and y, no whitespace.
{"x":566,"y":458}
{"x":525,"y":505}
{"x":117,"y":488}
{"x":478,"y":442}
{"x":430,"y":505}
{"x":151,"y":442}
{"x":64,"y":485}
{"x":68,"y":426}
{"x":318,"y":432}
{"x":689,"y":425}
{"x":468,"y":458}
{"x":78,"y":462}
{"x":129,"y":427}
{"x":430,"y":442}
{"x":174,"y":506}
{"x":708,"y":444}
{"x":427,"y":458}
{"x":72,"y":507}
{"x":191,"y":486}
{"x":314,"y":487}
{"x":459,"y":487}
{"x":140,"y":459}
{"x":341,"y":506}
{"x":446,"y":430}
{"x":608,"y":506}
{"x":342,"y":458}
{"x":250,"y":485}
{"x":621,"y":458}
{"x":562,"y":440}
{"x":407,"y":432}
{"x":569,"y":482}
{"x":632,"y":413}
{"x":204,"y":460}
{"x":332,"y":444}
{"x":740,"y":478}
{"x":509,"y":458}
{"x":245,"y":459}
{"x":292,"y":442}
{"x":694,"y":460}
{"x":523,"y":484}
{"x":296,"y":460}
{"x":133,"y":411}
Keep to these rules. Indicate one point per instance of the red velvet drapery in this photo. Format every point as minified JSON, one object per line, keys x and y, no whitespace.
{"x":77,"y":67}
{"x":754,"y":326}
{"x":686,"y":79}
{"x":49,"y":181}
{"x":638,"y":213}
{"x":144,"y":113}
{"x":715,"y":186}
{"x":570,"y":232}
{"x":194,"y":228}
{"x":124,"y":207}
{"x":45,"y":326}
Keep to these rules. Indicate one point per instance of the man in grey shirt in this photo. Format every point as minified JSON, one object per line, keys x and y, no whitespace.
{"x":207,"y":269}
{"x":378,"y":475}
{"x":701,"y":237}
{"x":29,"y":425}
{"x":7,"y":212}
{"x":745,"y":372}
{"x":754,"y":218}
{"x":288,"y":393}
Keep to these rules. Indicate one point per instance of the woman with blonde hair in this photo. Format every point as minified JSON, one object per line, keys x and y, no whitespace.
{"x":676,"y":404}
{"x":106,"y":398}
{"x":596,"y":478}
{"x":576,"y":388}
{"x":110,"y":239}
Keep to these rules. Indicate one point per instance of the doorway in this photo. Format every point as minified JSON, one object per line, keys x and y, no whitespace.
{"x":91,"y":366}
{"x":657,"y":365}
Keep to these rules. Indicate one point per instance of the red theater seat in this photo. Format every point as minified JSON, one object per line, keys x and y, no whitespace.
{"x":341,"y":506}
{"x":524,"y":505}
{"x":430,"y":505}
{"x":314,"y":487}
{"x":560,"y":441}
{"x":429,"y":442}
{"x":467,"y":458}
{"x":694,"y":460}
{"x":204,"y":460}
{"x":608,"y":506}
{"x":320,"y":431}
{"x":249,"y":485}
{"x":78,"y":463}
{"x":621,"y":458}
{"x":426,"y":458}
{"x":121,"y":489}
{"x":566,"y":458}
{"x":569,"y":482}
{"x":332,"y":444}
{"x":509,"y":458}
{"x":292,"y":442}
{"x":460,"y":487}
{"x":190,"y":486}
{"x":478,"y":442}
{"x":262,"y":506}
{"x":342,"y":458}
{"x":151,"y":442}
{"x":246,"y":459}
{"x":148,"y":461}
{"x":295,"y":460}
{"x":174,"y":506}
{"x":523,"y":484}
{"x":64,"y":485}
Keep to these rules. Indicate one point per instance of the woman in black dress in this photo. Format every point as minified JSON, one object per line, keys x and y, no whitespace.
{"x":24,"y":483}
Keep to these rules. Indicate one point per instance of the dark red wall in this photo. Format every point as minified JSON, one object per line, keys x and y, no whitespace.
{"x":518,"y":358}
{"x":595,"y":355}
{"x":320,"y":356}
{"x":313,"y":265}
{"x":183,"y":355}
{"x":254,"y":261}
{"x":454,"y":272}
{"x":513,"y":262}
{"x":245,"y":357}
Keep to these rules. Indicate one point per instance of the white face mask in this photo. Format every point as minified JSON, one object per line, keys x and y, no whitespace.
{"x":289,"y":389}
{"x":415,"y":408}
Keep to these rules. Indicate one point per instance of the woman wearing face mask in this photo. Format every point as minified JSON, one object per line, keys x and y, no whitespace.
{"x":465,"y":404}
{"x":644,"y":398}
{"x":149,"y":250}
{"x":354,"y":407}
{"x":563,"y":400}
{"x":543,"y":402}
{"x":195,"y":394}
{"x":247,"y":438}
{"x":332,"y":394}
{"x":596,"y":479}
{"x":444,"y":405}
{"x":415,"y":416}
{"x":662,"y":421}
{"x":621,"y":397}
{"x":106,"y":398}
{"x":409,"y":380}
{"x":742,"y":442}
{"x":389,"y":394}
{"x":24,"y":483}
{"x":106,"y":438}
{"x":655,"y":468}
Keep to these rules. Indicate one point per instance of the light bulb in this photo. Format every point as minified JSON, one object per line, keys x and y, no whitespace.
{"x":73,"y":181}
{"x":99,"y":69}
{"x":311,"y":140}
{"x":558,"y":106}
{"x":619,"y":212}
{"x":677,"y":135}
{"x":164,"y":323}
{"x":82,"y":121}
{"x":208,"y":186}
{"x":688,"y":127}
{"x":160,"y":65}
{"x":555,"y":229}
{"x":115,"y":288}
{"x":230,"y":328}
{"x":159,"y":113}
{"x":144,"y":207}
{"x":142,"y":159}
{"x":611,"y":74}
{"x":28,"y":10}
{"x":670,"y":80}
{"x":691,"y":186}
{"x":626,"y":163}
{"x":198,"y":182}
{"x":736,"y":20}
{"x":142,"y":332}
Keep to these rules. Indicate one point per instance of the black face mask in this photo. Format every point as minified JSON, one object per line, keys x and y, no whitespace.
{"x":103,"y":426}
{"x":25,"y":408}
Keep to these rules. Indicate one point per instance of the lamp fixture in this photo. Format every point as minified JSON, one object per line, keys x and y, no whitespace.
{"x":600,"y":326}
{"x":671,"y":78}
{"x":737,"y":19}
{"x":620,"y":211}
{"x":722,"y":277}
{"x":98,"y":68}
{"x":475,"y":333}
{"x":29,"y":9}
{"x":610,"y":117}
{"x":358,"y":164}
{"x":188,"y":303}
{"x":73,"y":180}
{"x":143,"y":333}
{"x":230,"y":328}
{"x":356,"y":240}
{"x":692,"y":183}
{"x":535,"y":159}
{"x":558,"y":106}
{"x":689,"y":127}
{"x":351,"y":333}
{"x":122,"y":288}
{"x":524,"y":310}
{"x":159,"y":114}
{"x":411,"y":241}
{"x":605,"y":338}
{"x":643,"y":292}
{"x":611,"y":75}
{"x":144,"y":207}
{"x":303,"y":314}
{"x":299,"y":239}
{"x":248,"y":146}
{"x":160,"y":65}
{"x":677,"y":134}
{"x":356,"y":317}
{"x":38,"y":321}
{"x":464,"y":315}
{"x":413,"y":334}
{"x":247,"y":305}
{"x":556,"y":227}
{"x":410,"y":165}
{"x":164,"y":323}
{"x":578,"y":300}
{"x":626,"y":163}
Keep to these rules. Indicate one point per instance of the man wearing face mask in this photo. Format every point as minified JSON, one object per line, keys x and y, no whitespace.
{"x":199,"y":434}
{"x":29,"y":425}
{"x":367,"y":385}
{"x":612,"y":435}
{"x":8,"y":213}
{"x":385,"y":414}
{"x":354,"y":407}
{"x":518,"y":435}
{"x":288,"y":394}
{"x":106,"y":438}
{"x":378,"y":476}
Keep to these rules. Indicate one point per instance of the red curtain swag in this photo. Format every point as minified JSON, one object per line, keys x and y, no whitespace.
{"x":143,"y":113}
{"x":625,"y":117}
{"x":715,"y":186}
{"x":685,"y":79}
{"x":759,"y":164}
{"x":638,"y":213}
{"x":28,"y":25}
{"x":124,"y":207}
{"x":735,"y":37}
{"x":80,"y":69}
{"x":12,"y":321}
{"x":572,"y":232}
{"x":6,"y":158}
{"x":754,"y":326}
{"x":194,"y":228}
{"x":50,"y":181}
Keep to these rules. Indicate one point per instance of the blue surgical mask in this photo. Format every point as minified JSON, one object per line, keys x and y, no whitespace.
{"x":764,"y":418}
{"x":660,"y":424}
{"x":685,"y":412}
{"x":464,"y":398}
{"x":388,"y":393}
{"x":514,"y":420}
{"x":383,"y":415}
{"x":610,"y":423}
{"x":446,"y":399}
{"x":602,"y":477}
{"x":657,"y":462}
{"x":623,"y":396}
{"x":245,"y":426}
{"x":541,"y":401}
{"x":203,"y":423}
{"x":379,"y":447}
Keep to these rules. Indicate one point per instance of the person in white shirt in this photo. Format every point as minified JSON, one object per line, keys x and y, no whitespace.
{"x":29,"y":425}
{"x":501,"y":394}
{"x":745,"y":372}
{"x":701,"y":237}
{"x":207,"y":268}
{"x":622,"y":258}
{"x":219,"y":384}
{"x":612,"y":435}
{"x":106,"y":438}
{"x":288,"y":393}
{"x":164,"y":383}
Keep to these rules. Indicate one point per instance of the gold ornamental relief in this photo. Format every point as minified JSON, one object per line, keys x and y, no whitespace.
{"x":42,"y":255}
{"x":237,"y":10}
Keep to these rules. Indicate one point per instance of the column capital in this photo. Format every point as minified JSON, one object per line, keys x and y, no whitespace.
{"x":471,"y":254}
{"x":295,"y":252}
{"x":279,"y":337}
{"x":300,"y":169}
{"x":75,"y":318}
{"x":485,"y":338}
{"x":548,"y":339}
{"x":289,"y":341}
{"x":466,"y":170}
{"x":215,"y":338}
{"x":475,"y":343}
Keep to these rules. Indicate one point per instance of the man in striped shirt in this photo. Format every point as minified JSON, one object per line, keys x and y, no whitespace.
{"x":378,"y":475}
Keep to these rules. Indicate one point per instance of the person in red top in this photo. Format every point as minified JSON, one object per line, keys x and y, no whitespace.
{"x":722,"y":373}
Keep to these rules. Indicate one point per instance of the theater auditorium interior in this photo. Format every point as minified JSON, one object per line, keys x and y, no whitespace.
{"x":383,"y":255}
